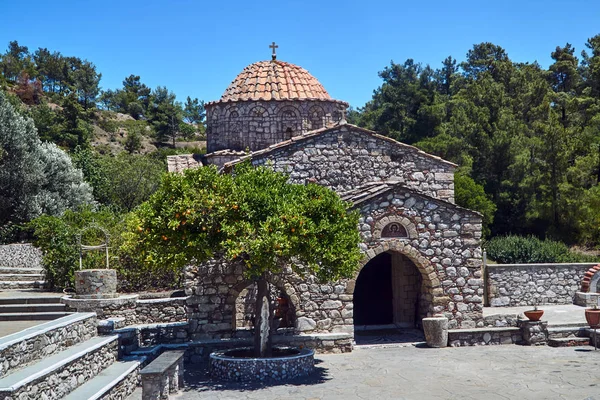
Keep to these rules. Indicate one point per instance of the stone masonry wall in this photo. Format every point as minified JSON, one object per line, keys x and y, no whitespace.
{"x":444,"y":245}
{"x":134,"y":311}
{"x":347,"y":157}
{"x":20,"y":354}
{"x":20,"y":256}
{"x":531,"y":284}
{"x":255,"y":125}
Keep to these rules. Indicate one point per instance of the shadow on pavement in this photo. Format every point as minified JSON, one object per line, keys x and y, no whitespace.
{"x":197,"y":379}
{"x":388,"y":336}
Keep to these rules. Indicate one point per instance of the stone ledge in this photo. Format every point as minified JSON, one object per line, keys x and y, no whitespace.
{"x":162,"y":300}
{"x":540,"y":265}
{"x":43,"y":328}
{"x":483,"y":330}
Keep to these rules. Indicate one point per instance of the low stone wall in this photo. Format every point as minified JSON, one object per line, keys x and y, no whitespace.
{"x":19,"y":351}
{"x":133,"y":337}
{"x":530,"y":284}
{"x":484,"y":336}
{"x":125,"y":388}
{"x":132,"y":310}
{"x":20,"y":255}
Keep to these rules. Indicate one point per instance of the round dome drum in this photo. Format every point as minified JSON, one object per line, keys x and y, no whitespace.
{"x":267,"y":103}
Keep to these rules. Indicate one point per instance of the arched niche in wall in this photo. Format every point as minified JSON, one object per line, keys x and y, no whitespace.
{"x":394,"y":230}
{"x":290,"y":122}
{"x":316,"y":116}
{"x":395,"y":227}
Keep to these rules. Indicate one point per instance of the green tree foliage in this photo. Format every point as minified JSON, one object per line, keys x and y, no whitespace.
{"x":86,"y":81}
{"x":471,"y":195}
{"x":15,"y":61}
{"x":529,"y":136}
{"x":166,"y":115}
{"x":253,"y":217}
{"x":57,"y":236}
{"x":35,"y":177}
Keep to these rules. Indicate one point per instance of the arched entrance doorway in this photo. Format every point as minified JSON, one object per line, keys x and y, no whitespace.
{"x":388,"y":293}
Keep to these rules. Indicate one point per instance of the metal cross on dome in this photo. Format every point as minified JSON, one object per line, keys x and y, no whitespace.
{"x":273,"y":46}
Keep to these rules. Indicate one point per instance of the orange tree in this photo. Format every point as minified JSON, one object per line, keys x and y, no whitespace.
{"x":254,"y":216}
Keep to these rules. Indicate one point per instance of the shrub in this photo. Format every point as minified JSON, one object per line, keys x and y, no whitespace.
{"x":514,"y":249}
{"x":57,"y":237}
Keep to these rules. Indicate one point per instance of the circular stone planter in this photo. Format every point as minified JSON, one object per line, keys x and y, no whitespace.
{"x":96,"y":284}
{"x":226,"y":366}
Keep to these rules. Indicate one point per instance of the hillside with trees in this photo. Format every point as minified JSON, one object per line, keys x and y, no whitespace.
{"x":65,"y":142}
{"x":527,"y":139}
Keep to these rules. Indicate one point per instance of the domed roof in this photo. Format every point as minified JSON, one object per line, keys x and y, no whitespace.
{"x":274,"y":80}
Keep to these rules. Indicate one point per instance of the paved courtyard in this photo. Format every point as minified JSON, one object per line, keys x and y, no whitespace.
{"x":486,"y":372}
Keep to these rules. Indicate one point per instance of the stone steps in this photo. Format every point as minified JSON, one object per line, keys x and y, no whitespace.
{"x":569,"y":342}
{"x":559,"y":332}
{"x":21,"y":277}
{"x":21,"y":270}
{"x":33,"y":316}
{"x":31,"y":308}
{"x":26,"y":284}
{"x":117,"y":381}
{"x":30,"y":300}
{"x":55,"y":376}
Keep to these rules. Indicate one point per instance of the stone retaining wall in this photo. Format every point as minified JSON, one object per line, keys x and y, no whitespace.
{"x":18,"y":354}
{"x":483,"y":336}
{"x":20,"y":255}
{"x":531,"y":284}
{"x":133,"y":311}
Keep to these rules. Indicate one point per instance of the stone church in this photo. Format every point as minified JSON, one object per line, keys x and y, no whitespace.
{"x":422,"y":252}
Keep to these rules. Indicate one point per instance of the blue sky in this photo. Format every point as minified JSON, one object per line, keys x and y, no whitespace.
{"x":196,"y":48}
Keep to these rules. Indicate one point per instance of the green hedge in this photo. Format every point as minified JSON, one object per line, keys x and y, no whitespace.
{"x":514,"y":249}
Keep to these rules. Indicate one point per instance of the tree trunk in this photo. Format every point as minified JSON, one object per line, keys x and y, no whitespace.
{"x":262,"y":320}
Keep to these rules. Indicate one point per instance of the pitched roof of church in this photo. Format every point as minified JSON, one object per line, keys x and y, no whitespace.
{"x":371,"y":190}
{"x":318,"y":132}
{"x":274,"y":80}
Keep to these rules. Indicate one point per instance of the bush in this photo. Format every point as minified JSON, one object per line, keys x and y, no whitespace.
{"x":57,"y":237}
{"x":514,"y":249}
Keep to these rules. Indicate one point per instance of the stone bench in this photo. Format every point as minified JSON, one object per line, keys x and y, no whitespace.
{"x":162,"y":376}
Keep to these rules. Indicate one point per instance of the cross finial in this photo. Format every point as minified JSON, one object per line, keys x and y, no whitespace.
{"x":274,"y":55}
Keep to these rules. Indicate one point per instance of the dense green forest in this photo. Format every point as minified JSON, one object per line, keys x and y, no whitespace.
{"x":527,"y":138}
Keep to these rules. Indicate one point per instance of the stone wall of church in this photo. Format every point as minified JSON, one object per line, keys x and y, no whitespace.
{"x":443,"y":241}
{"x":344,"y":159}
{"x":256,"y":125}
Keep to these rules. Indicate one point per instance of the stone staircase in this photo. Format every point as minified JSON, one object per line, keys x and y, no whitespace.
{"x":20,"y":267}
{"x":30,"y":308}
{"x":569,"y":335}
{"x":65,"y":359}
{"x":21,"y":278}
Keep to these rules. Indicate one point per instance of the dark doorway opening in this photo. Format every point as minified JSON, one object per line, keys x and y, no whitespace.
{"x":373,"y":294}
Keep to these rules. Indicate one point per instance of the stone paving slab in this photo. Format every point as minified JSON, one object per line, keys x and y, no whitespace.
{"x":469,"y":373}
{"x":10,"y":327}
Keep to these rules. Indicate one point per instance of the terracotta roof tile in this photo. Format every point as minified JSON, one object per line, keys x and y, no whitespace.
{"x":287,"y":81}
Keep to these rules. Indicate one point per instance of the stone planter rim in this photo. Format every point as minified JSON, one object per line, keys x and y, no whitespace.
{"x":220,"y":355}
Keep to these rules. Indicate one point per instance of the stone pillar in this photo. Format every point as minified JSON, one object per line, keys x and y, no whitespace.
{"x":534,"y":332}
{"x":436,"y":331}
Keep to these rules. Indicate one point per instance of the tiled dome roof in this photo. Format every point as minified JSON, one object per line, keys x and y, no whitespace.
{"x":274,"y":80}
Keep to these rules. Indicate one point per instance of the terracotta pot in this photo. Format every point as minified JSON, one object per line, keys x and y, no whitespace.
{"x":592,"y":316}
{"x":534,"y":315}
